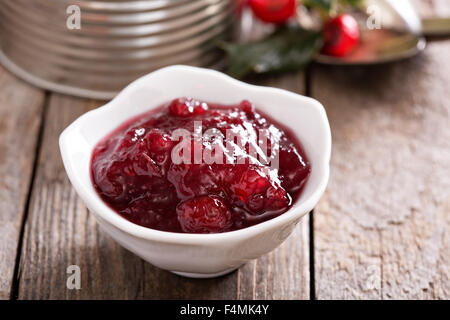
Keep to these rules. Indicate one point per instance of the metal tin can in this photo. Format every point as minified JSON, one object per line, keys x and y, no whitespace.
{"x":114,"y":42}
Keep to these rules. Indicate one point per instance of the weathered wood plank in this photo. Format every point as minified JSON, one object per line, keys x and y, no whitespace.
{"x":382,"y":231}
{"x":284,"y":273}
{"x":60,"y":232}
{"x":20,"y":118}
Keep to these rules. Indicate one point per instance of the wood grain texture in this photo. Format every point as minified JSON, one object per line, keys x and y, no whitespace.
{"x":60,"y":232}
{"x":382,"y":231}
{"x":20,"y":118}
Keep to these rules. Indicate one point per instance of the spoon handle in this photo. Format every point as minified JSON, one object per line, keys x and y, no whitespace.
{"x":436,"y":26}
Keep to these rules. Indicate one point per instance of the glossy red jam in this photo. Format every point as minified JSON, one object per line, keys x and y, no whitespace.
{"x":198,"y":167}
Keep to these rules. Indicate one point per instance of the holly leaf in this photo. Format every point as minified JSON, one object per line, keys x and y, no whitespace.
{"x":327,"y":5}
{"x":287,"y":49}
{"x":352,"y":3}
{"x":322,"y":4}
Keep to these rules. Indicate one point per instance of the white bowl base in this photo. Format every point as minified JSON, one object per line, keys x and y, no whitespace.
{"x":205,"y":275}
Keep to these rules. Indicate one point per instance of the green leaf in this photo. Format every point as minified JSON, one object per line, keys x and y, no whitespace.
{"x":328,"y":5}
{"x":352,"y":3}
{"x":322,"y":4}
{"x":287,"y":49}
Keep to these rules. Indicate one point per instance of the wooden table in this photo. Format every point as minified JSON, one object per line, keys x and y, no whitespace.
{"x":381,"y":231}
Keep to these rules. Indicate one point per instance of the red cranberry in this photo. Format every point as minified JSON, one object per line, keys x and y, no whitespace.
{"x":181,"y":107}
{"x":273,"y":11}
{"x":341,"y":35}
{"x":205,"y":214}
{"x":109,"y":187}
{"x":251,"y":182}
{"x":246,"y":106}
{"x":158,"y":141}
{"x":200,"y":109}
{"x":277,"y":198}
{"x":184,"y":107}
{"x":294,"y":170}
{"x":256,"y":202}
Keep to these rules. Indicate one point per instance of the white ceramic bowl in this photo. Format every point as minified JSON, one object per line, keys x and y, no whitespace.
{"x":198,"y":255}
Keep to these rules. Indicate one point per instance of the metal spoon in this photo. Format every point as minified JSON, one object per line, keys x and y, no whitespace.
{"x":400,"y":37}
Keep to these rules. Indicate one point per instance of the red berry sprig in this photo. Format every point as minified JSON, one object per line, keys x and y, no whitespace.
{"x":291,"y":46}
{"x":340,"y":33}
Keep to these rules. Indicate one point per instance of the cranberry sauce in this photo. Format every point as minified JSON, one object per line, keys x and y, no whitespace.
{"x":197,"y":167}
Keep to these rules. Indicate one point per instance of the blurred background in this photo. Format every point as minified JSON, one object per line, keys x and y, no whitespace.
{"x":95,"y":48}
